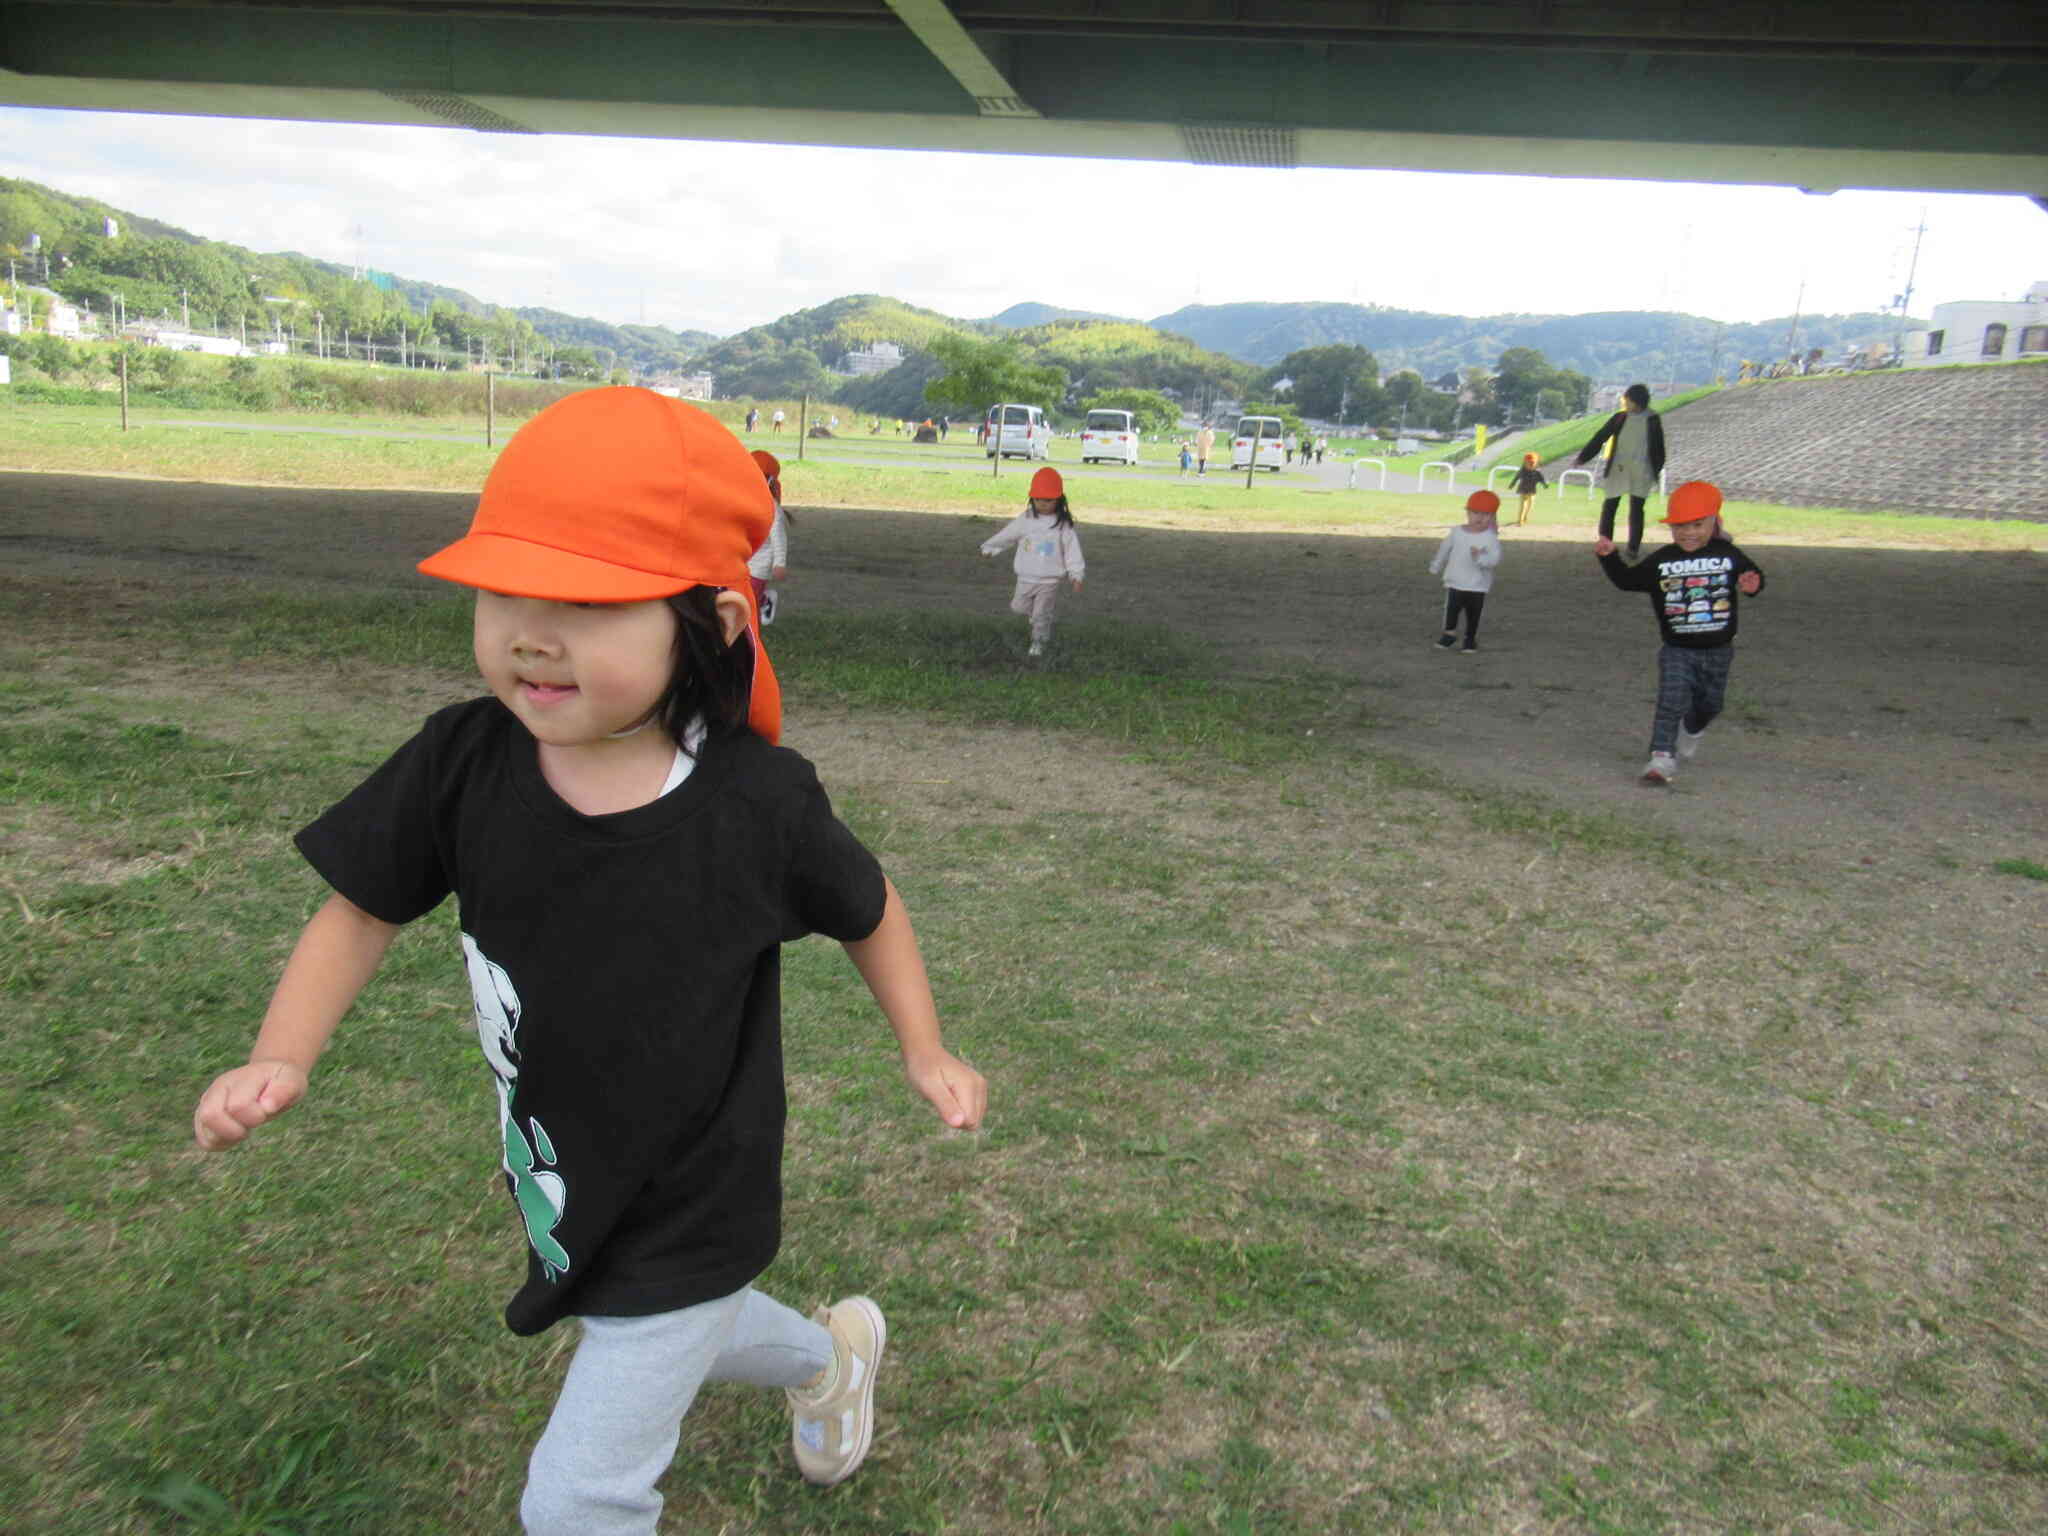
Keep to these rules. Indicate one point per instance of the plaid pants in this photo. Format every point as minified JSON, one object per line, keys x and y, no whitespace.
{"x":1690,"y":687}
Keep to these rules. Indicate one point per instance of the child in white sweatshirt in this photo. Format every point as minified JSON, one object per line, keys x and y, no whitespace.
{"x":771,"y":561}
{"x":1466,"y":558}
{"x":1047,"y":549}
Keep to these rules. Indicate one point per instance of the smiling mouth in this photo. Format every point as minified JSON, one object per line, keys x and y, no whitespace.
{"x":545,"y":693}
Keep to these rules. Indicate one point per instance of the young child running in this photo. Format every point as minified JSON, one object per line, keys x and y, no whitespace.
{"x":1467,"y":558}
{"x":1696,"y":585}
{"x":1528,"y":480}
{"x":1048,"y":547}
{"x":628,"y":850}
{"x":771,"y":561}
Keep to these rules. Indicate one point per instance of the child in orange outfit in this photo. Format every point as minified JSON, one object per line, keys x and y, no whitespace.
{"x":1047,"y":549}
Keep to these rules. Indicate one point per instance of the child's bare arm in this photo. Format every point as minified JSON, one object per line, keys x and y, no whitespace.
{"x":338,"y":952}
{"x":889,"y":962}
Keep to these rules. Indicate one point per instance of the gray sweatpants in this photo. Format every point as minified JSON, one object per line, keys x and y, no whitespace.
{"x":1035,"y":600}
{"x":615,"y":1426}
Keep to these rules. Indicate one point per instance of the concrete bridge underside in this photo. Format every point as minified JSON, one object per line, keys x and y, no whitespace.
{"x":1809,"y":93}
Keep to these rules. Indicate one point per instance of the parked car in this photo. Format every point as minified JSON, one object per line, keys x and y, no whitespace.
{"x":1258,"y":441}
{"x":1111,"y":436}
{"x":1017,"y":432}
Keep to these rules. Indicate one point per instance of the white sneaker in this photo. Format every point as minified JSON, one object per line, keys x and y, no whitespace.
{"x":832,"y":1427}
{"x":1688,"y":742}
{"x":1662,"y":770}
{"x":1037,"y":648}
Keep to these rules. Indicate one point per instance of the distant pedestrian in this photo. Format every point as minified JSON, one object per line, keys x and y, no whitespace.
{"x":1527,"y":479}
{"x":1633,"y":463}
{"x":753,"y":417}
{"x":1466,"y":560}
{"x":945,"y":425}
{"x":1205,"y":443}
{"x":1322,"y":447}
{"x":1047,"y":549}
{"x":1696,"y":584}
{"x":1187,"y":456}
{"x":776,"y":420}
{"x":1287,"y":448}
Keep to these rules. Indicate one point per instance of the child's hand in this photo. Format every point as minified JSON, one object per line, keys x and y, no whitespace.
{"x":954,"y":1089}
{"x":1077,"y":583}
{"x":1748,"y":582}
{"x":236,"y":1102}
{"x":780,"y":573}
{"x":1603,"y":546}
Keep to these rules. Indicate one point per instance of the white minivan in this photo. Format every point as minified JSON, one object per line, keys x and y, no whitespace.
{"x":1258,"y":442}
{"x":1017,"y":432}
{"x":1110,"y":435}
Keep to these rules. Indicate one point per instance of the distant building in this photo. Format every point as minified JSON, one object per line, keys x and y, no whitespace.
{"x":196,"y":341}
{"x":879,"y":358}
{"x":111,"y":228}
{"x":1982,"y":331}
{"x":64,"y":319}
{"x":1606,"y":398}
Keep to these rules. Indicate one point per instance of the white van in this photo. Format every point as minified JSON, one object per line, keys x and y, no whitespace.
{"x":1110,"y":435}
{"x":1258,"y":441}
{"x":1017,"y":432}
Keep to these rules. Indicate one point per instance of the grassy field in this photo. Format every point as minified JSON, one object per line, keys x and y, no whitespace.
{"x":1368,"y":1152}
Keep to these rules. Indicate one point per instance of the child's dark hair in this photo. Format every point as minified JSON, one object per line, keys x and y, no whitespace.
{"x":1637,"y":395}
{"x":708,"y":679}
{"x":1062,"y":516}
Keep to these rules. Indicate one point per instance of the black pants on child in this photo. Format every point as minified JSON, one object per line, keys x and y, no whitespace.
{"x":1457,"y":601}
{"x":1635,"y":521}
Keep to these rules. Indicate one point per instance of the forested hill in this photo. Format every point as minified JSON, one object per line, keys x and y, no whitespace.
{"x":1018,"y":316}
{"x":158,"y":269}
{"x":1651,"y":345}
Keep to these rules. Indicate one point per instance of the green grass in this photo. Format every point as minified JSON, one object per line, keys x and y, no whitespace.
{"x":2026,"y":869}
{"x":1364,"y":1155}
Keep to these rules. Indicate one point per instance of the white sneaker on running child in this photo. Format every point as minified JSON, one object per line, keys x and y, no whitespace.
{"x":1037,"y":648}
{"x":1662,"y":770}
{"x":832,"y":1424}
{"x":1688,"y":742}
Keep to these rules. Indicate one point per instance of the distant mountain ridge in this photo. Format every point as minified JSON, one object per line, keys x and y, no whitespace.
{"x":1658,"y":347}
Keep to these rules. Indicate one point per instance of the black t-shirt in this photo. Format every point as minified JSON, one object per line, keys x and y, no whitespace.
{"x":1694,"y":596}
{"x":626,"y":976}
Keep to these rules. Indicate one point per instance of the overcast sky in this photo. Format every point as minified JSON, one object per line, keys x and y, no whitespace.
{"x":719,"y":237}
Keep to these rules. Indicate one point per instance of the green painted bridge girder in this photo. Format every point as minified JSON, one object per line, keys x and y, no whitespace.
{"x":1888,"y":102}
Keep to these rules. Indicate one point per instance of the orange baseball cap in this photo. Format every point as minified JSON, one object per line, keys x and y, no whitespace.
{"x":1692,"y":501}
{"x":771,"y":466}
{"x":1047,"y":485}
{"x":620,"y":495}
{"x":1482,"y":501}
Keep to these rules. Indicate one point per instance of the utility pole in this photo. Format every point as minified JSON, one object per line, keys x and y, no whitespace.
{"x":1792,"y":336}
{"x":1905,"y":298}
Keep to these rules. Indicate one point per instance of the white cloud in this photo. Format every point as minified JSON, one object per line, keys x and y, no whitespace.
{"x":722,"y":236}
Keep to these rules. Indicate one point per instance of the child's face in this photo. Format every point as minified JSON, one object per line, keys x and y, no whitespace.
{"x":1693,"y":535}
{"x":1043,"y":506}
{"x":575,"y":673}
{"x":1477,"y":521}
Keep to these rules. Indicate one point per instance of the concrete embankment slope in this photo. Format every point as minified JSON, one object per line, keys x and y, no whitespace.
{"x":1955,"y":440}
